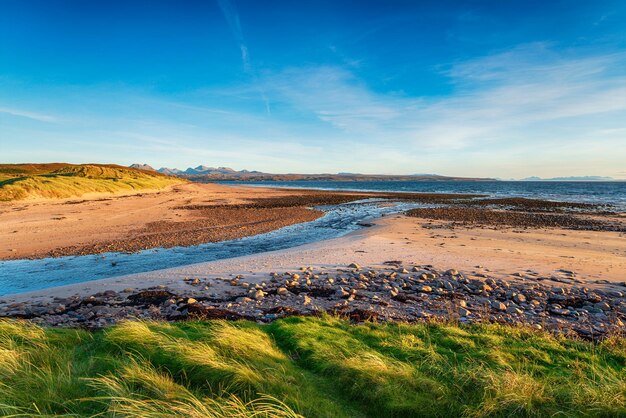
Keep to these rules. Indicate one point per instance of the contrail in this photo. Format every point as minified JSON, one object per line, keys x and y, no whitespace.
{"x":232,"y":17}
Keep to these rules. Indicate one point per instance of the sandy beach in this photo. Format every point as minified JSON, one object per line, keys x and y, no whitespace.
{"x":182,"y":215}
{"x":471,"y":263}
{"x":503,"y":253}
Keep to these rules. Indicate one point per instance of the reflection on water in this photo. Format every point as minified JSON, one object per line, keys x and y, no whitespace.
{"x":26,"y":275}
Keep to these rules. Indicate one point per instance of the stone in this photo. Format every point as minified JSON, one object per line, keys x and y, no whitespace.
{"x":514,"y":310}
{"x":519,"y":298}
{"x":603,"y":306}
{"x":191,"y":301}
{"x":282,"y":291}
{"x":426,"y":289}
{"x":307,"y":300}
{"x":354,"y":266}
{"x":499,"y":306}
{"x":452,"y":272}
{"x":559,"y":311}
{"x":259,"y":294}
{"x":464,"y":312}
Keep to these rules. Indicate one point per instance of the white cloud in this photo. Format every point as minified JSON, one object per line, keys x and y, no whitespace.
{"x":28,"y":114}
{"x":499,"y":98}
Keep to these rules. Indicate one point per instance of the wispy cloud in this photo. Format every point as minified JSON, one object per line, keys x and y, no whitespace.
{"x":232,"y":17}
{"x":499,"y":98}
{"x":28,"y":114}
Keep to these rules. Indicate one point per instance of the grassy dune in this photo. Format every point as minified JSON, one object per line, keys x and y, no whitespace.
{"x":315,"y":367}
{"x":23,"y":181}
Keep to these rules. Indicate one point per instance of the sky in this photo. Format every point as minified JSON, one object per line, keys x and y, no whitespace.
{"x":504,"y":89}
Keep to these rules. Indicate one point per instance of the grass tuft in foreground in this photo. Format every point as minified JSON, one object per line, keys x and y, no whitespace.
{"x":314,"y":367}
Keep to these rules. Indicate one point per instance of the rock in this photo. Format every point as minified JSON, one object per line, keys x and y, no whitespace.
{"x":519,"y":298}
{"x":259,"y":294}
{"x":558,"y":290}
{"x":559,"y":311}
{"x":355,"y":266}
{"x":486,"y":288}
{"x":499,"y":306}
{"x":464,"y":312}
{"x":514,"y":310}
{"x":426,"y":289}
{"x":403,"y":271}
{"x":342,"y":293}
{"x":282,"y":291}
{"x":307,"y":300}
{"x":452,"y":272}
{"x":603,"y":306}
{"x":191,"y":301}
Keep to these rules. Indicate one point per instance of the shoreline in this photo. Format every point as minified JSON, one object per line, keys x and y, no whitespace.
{"x":463,"y":261}
{"x":184,"y":215}
{"x":192,"y":214}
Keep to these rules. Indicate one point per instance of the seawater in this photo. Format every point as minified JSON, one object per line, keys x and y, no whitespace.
{"x":605,"y":193}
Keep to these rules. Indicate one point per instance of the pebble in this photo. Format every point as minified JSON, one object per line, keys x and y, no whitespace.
{"x":499,"y":306}
{"x":391,"y":294}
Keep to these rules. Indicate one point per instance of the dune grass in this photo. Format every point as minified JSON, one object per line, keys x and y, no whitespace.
{"x":23,"y":181}
{"x":314,"y":367}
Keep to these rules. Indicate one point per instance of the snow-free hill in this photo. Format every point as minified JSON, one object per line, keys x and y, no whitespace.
{"x":146,"y":167}
{"x":60,"y":180}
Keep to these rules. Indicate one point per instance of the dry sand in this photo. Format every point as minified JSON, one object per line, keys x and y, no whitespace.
{"x":501,"y":253}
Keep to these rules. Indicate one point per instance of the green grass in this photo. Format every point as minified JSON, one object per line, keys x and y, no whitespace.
{"x":315,"y":367}
{"x":23,"y":181}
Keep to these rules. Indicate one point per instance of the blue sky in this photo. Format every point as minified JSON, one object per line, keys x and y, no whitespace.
{"x":468,"y":88}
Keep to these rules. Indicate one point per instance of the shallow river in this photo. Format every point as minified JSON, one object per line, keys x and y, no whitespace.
{"x":26,"y":275}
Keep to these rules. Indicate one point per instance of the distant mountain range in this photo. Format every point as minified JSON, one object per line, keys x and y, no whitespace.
{"x":199,"y":170}
{"x":571,"y":178}
{"x":205,"y":173}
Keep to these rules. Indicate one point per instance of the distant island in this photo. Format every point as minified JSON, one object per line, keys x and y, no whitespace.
{"x":204,"y":173}
{"x":571,"y":178}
